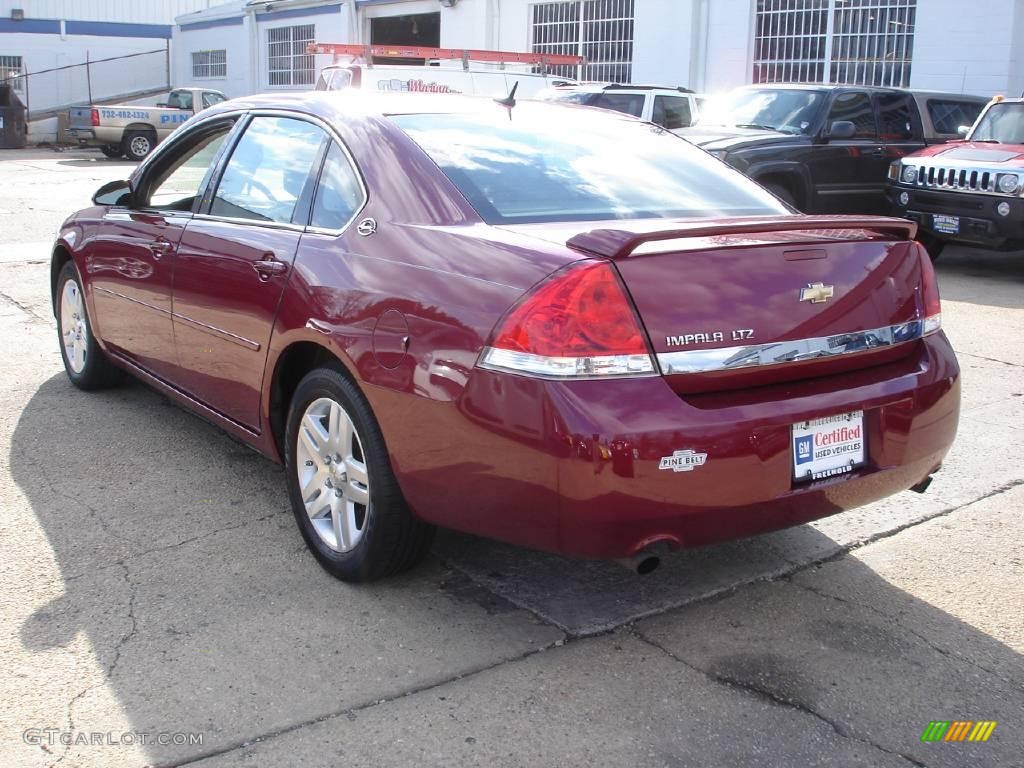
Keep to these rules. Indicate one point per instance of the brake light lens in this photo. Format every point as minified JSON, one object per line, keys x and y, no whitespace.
{"x":580,"y":324}
{"x":94,"y":118}
{"x":931,"y":305}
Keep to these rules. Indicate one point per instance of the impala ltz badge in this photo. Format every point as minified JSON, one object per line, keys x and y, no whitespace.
{"x":683,"y":461}
{"x":817,"y":293}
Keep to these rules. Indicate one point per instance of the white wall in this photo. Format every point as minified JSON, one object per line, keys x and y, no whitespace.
{"x":964,"y":48}
{"x":663,"y":37}
{"x":727,"y":59}
{"x":125,"y":11}
{"x":232,"y":39}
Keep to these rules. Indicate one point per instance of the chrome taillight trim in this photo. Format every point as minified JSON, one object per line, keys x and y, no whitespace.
{"x":544,"y":367}
{"x":786,"y":352}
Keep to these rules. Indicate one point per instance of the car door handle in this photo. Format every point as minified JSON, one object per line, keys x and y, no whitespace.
{"x":268,"y":266}
{"x":161,"y":247}
{"x":878,"y":152}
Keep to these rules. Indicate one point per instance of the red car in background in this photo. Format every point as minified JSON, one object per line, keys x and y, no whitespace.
{"x":555,"y":326}
{"x":969,"y":191}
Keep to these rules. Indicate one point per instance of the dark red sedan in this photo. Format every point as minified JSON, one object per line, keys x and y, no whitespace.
{"x":555,"y":326}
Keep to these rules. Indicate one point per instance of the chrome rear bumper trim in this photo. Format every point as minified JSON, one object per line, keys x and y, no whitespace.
{"x":784,"y":352}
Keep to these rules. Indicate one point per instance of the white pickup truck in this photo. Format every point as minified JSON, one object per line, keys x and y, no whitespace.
{"x":133,"y":131}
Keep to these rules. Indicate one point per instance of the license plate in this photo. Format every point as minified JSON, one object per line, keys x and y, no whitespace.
{"x":949,"y":225}
{"x":829,"y":446}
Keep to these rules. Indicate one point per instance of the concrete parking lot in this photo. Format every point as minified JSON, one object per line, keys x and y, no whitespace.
{"x":154,"y":588}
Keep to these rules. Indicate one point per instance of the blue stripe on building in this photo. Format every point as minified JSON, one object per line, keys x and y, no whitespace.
{"x":96,"y":28}
{"x":212,"y":24}
{"x":296,"y":13}
{"x":31,"y":26}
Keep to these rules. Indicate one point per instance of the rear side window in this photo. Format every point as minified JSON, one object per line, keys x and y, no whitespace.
{"x":896,"y":113}
{"x":579,"y":167}
{"x":671,"y":112}
{"x":210,"y":98}
{"x":339,"y":195}
{"x":180,"y":100}
{"x":948,"y":115}
{"x":857,"y":109}
{"x":627,"y":103}
{"x":269,"y":170}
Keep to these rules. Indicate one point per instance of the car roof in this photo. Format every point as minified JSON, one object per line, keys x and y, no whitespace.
{"x":599,"y":87}
{"x":329,"y":105}
{"x":874,"y":88}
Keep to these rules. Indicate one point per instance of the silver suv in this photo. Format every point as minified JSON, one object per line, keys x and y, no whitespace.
{"x":671,"y":108}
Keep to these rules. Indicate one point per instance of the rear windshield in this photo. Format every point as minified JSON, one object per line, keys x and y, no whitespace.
{"x":551,"y":165}
{"x":948,"y":114}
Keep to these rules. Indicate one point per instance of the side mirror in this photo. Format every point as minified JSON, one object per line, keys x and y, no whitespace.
{"x":842,"y":129}
{"x":963,"y":130}
{"x":113,"y":193}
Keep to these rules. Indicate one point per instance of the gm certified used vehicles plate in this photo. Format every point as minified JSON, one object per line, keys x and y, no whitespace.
{"x":562,"y":328}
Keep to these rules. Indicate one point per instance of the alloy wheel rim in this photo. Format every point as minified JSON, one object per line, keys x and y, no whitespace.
{"x":74,"y":331}
{"x":140,"y":145}
{"x":332,"y":475}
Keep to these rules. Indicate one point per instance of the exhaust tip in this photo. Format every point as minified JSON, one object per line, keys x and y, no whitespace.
{"x":648,"y":558}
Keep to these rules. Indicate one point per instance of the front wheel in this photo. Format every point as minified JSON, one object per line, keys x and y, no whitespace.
{"x":84,"y":361}
{"x":343,"y":491}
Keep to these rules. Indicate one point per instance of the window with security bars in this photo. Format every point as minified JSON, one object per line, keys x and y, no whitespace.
{"x":11,"y":72}
{"x":288,"y":62}
{"x":207,"y":64}
{"x":599,"y":30}
{"x":860,"y":42}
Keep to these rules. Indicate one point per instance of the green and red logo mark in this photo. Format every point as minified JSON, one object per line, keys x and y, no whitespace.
{"x":958,"y":730}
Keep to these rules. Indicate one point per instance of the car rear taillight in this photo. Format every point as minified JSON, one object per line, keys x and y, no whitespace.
{"x":579,"y":324}
{"x":94,"y":117}
{"x":931,"y":306}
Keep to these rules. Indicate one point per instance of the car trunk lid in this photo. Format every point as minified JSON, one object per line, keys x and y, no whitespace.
{"x":742,"y":302}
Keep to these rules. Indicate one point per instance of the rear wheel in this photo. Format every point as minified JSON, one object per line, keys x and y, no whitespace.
{"x":136,"y":145}
{"x":343,"y":491}
{"x":111,"y":150}
{"x":84,"y":361}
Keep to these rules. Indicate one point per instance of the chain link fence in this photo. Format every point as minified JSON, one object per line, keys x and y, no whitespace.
{"x":49,"y":92}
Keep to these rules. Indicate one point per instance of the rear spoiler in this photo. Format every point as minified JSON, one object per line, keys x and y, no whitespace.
{"x":620,"y":243}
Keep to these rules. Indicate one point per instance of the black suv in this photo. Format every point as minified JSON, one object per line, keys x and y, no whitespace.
{"x":822,"y":148}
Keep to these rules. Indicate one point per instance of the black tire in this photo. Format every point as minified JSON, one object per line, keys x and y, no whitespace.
{"x":111,"y":150}
{"x":136,"y":145}
{"x":97,"y":372}
{"x":392,"y":539}
{"x":783,"y":193}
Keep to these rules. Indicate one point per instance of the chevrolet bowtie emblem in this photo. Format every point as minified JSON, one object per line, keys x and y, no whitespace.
{"x":817,"y":293}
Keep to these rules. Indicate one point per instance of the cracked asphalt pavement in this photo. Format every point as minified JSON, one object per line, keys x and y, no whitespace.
{"x":153,"y":583}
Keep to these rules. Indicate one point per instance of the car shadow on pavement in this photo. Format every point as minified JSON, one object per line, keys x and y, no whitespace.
{"x":91,"y":162}
{"x":977,"y":276}
{"x":183,"y":569}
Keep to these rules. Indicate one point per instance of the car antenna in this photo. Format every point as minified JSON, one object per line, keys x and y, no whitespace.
{"x":509,"y":101}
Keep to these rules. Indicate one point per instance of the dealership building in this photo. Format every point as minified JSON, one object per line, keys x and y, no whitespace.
{"x":708,"y":45}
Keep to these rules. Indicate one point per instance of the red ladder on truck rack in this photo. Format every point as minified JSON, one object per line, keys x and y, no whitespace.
{"x":465,"y":54}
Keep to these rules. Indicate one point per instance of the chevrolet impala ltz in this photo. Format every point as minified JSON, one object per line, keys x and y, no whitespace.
{"x":551,"y":325}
